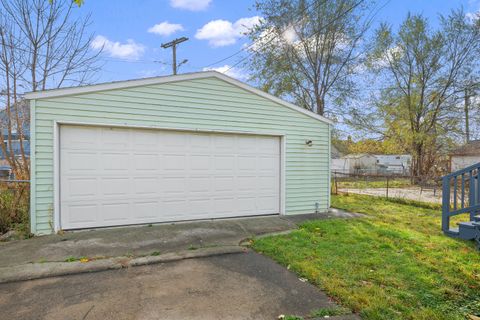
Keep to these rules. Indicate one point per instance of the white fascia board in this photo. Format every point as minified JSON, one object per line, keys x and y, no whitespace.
{"x":168,"y":79}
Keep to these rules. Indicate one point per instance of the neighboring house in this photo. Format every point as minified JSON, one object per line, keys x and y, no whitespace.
{"x":465,"y":155}
{"x":339,"y":165}
{"x":394,"y":164}
{"x":184,"y":147}
{"x":15,"y":138}
{"x":16,"y":146}
{"x":335,"y":154}
{"x":355,"y":164}
{"x":5,"y":172}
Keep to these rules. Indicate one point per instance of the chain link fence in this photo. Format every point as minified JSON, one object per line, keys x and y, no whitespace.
{"x":427,"y":189}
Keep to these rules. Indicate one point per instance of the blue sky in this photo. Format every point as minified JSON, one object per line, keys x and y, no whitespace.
{"x":131,"y":31}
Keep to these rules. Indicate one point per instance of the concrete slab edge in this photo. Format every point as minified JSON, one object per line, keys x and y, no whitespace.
{"x":33,"y":271}
{"x":246,"y":242}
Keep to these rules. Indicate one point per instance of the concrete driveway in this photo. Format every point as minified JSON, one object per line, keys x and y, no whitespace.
{"x":116,"y":248}
{"x":231,"y":286}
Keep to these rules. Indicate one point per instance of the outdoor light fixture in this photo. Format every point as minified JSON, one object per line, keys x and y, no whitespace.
{"x":309,"y":143}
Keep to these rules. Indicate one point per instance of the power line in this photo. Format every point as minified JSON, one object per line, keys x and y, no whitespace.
{"x":130,"y":60}
{"x":253,"y":43}
{"x":58,"y":59}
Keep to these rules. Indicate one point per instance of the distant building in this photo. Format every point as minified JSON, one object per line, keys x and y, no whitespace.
{"x":334,"y":153}
{"x":394,"y":163}
{"x":16,"y":146}
{"x":364,"y":163}
{"x":14,"y":135}
{"x":465,"y":156}
{"x":361,"y":163}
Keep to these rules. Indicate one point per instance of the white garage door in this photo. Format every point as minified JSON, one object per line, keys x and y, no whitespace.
{"x":116,"y":176}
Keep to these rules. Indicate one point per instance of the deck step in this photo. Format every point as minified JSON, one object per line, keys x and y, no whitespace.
{"x":468,"y":230}
{"x":452,"y":232}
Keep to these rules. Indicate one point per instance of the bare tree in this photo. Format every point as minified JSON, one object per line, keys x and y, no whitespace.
{"x":42,"y":46}
{"x":308,"y":50}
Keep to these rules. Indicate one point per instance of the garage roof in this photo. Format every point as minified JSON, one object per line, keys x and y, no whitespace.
{"x":167,"y":79}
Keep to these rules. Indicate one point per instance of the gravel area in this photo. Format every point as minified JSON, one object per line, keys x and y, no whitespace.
{"x":411,"y":193}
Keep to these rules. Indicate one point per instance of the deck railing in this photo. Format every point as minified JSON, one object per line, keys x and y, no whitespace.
{"x":461,"y":194}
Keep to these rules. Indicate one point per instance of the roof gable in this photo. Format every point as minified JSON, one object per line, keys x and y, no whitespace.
{"x":169,"y":79}
{"x":472,"y":148}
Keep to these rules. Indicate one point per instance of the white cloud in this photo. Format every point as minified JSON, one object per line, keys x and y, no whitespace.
{"x":221,"y":33}
{"x":243,"y":25}
{"x":130,"y":49}
{"x":166,"y":28}
{"x":229,"y":71}
{"x":272,"y":37}
{"x":192,"y":5}
{"x":387,"y":56}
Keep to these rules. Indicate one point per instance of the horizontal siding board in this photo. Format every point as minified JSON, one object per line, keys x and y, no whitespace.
{"x":200,"y":113}
{"x":201,"y":104}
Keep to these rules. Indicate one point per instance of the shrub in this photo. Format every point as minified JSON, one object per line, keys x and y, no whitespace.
{"x":14,"y":208}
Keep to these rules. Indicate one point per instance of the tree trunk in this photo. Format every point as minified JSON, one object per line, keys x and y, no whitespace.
{"x":466,"y":109}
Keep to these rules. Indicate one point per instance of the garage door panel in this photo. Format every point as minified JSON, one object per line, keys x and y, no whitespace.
{"x":79,"y":215}
{"x":79,"y":187}
{"x":224,"y":163}
{"x":174,"y":162}
{"x":145,"y":162}
{"x":114,"y":161}
{"x":80,"y":138}
{"x":115,"y":212}
{"x":224,"y":184}
{"x":144,"y":140}
{"x":115,"y":139}
{"x":174,"y":208}
{"x":200,"y":162}
{"x":199,"y":184}
{"x":147,"y":210}
{"x":173,"y":142}
{"x":200,"y":144}
{"x":79,"y":162}
{"x":145,"y":185}
{"x":267,"y":183}
{"x":112,"y":186}
{"x":267,"y":203}
{"x":246,"y":163}
{"x":246,"y":205}
{"x":129,"y":176}
{"x":173,"y":186}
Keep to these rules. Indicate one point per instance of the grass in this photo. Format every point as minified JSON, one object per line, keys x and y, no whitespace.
{"x":393,"y":264}
{"x":359,"y":183}
{"x":332,"y":311}
{"x":320,"y":313}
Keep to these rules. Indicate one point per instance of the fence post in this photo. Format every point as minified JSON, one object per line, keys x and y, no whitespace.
{"x":445,"y":204}
{"x":472,"y":199}
{"x":336,"y":183}
{"x":387,"y":186}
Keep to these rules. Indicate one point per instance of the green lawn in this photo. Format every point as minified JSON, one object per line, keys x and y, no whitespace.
{"x":393,"y":264}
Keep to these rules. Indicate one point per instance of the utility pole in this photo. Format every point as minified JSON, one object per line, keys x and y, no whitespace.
{"x":174,"y":44}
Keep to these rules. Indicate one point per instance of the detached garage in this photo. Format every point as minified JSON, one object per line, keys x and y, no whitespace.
{"x":176,"y":148}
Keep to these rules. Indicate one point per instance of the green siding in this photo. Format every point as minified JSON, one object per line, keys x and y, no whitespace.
{"x":200,"y":104}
